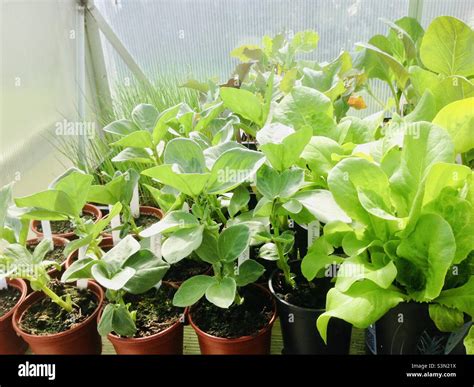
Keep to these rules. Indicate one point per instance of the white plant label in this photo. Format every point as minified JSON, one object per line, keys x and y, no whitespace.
{"x":82,"y":283}
{"x":185,"y":207}
{"x":155,"y":245}
{"x":3,"y":283}
{"x":115,"y":223}
{"x":313,"y":232}
{"x":244,"y":256}
{"x":46,"y":226}
{"x":135,"y":203}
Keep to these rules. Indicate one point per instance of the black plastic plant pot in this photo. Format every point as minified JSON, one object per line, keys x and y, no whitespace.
{"x":252,"y":145}
{"x":408,"y":329}
{"x":299,"y":332}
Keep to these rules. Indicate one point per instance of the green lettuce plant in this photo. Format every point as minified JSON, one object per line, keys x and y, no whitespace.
{"x":126,"y":268}
{"x":411,"y":235}
{"x":432,"y":68}
{"x":16,"y":261}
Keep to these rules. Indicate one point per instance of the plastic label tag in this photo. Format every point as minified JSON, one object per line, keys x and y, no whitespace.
{"x":46,"y":226}
{"x":371,"y":339}
{"x":3,"y":283}
{"x":244,"y":256}
{"x":82,"y":283}
{"x":313,"y":232}
{"x":135,"y":203}
{"x":115,"y":223}
{"x":155,"y":245}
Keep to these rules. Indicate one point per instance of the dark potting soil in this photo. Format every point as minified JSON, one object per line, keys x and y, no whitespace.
{"x":184,"y":269}
{"x":155,"y":310}
{"x":305,"y":294}
{"x":56,"y":255}
{"x":8,"y":299}
{"x":65,"y":226}
{"x":45,"y":317}
{"x":146,"y":220}
{"x":237,"y":321}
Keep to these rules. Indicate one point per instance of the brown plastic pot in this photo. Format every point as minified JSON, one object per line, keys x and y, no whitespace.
{"x":153,"y":211}
{"x":246,"y":345}
{"x":57,"y":241}
{"x":83,"y":339}
{"x":10,"y":342}
{"x":167,"y":342}
{"x":144,"y":210}
{"x":88,"y":209}
{"x":106,"y":243}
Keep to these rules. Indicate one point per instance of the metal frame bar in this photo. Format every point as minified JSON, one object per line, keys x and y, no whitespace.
{"x":99,"y":20}
{"x":415,"y":9}
{"x":81,"y":79}
{"x":96,"y":69}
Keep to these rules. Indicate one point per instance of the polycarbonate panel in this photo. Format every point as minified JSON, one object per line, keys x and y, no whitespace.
{"x":462,"y":9}
{"x":38,"y":91}
{"x":194,"y":37}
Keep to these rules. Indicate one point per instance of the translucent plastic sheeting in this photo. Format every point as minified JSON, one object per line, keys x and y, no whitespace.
{"x":194,"y":37}
{"x":462,"y":9}
{"x":38,"y":90}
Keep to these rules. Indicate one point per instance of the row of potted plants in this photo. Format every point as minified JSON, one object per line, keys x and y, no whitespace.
{"x":269,"y":201}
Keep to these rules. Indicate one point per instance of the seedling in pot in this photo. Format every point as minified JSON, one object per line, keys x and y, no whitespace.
{"x":201,"y":177}
{"x":17,"y":262}
{"x":64,"y":200}
{"x":222,"y":252}
{"x":125,"y":269}
{"x":286,"y":196}
{"x":122,"y":188}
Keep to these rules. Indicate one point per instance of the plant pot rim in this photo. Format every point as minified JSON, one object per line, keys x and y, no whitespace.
{"x":91,"y":285}
{"x":21,"y":285}
{"x":89,"y":208}
{"x":300,"y":308}
{"x":57,"y":241}
{"x":241,"y":339}
{"x":130,"y":340}
{"x":146,"y":210}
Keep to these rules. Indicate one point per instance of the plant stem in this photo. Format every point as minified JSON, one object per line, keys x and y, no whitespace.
{"x":394,"y":93}
{"x":238,"y":299}
{"x":282,"y":260}
{"x":221,"y":216}
{"x":371,"y":93}
{"x":56,"y":299}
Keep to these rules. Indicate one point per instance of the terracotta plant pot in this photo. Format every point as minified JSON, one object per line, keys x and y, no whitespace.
{"x":147,"y":210}
{"x":246,"y":345}
{"x":57,"y":241}
{"x":167,"y":342}
{"x":88,"y":209}
{"x":10,"y":342}
{"x":144,"y":210}
{"x":106,"y":244}
{"x":83,"y":339}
